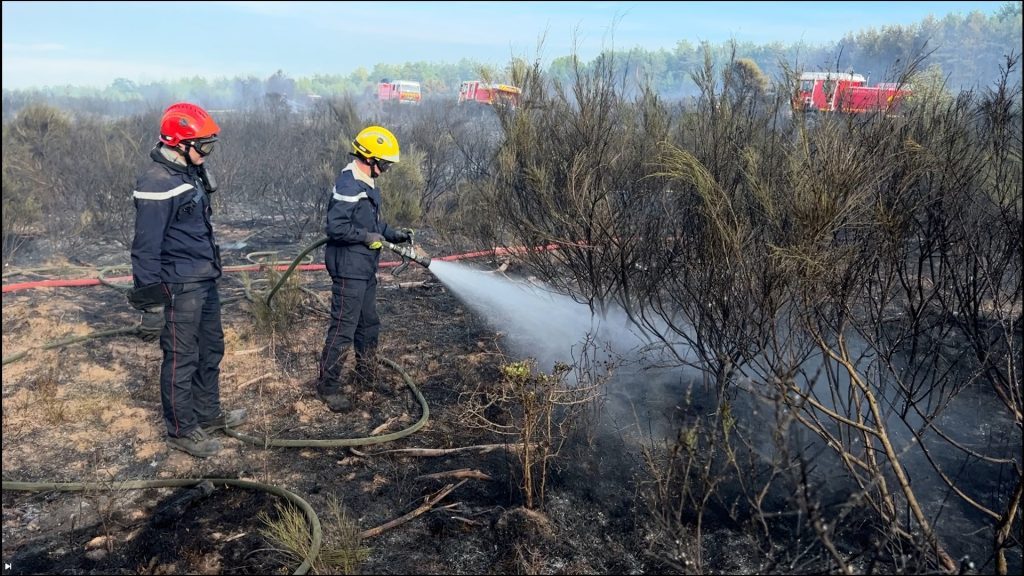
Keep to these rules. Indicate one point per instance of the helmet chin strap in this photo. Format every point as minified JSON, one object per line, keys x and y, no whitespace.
{"x":372,"y":163}
{"x":188,"y":154}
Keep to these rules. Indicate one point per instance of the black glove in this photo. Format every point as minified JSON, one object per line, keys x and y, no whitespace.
{"x":401,"y":235}
{"x":152,"y":324}
{"x":373,"y":240}
{"x":151,"y":296}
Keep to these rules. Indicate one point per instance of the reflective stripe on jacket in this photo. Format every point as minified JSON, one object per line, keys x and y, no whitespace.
{"x":353,"y":210}
{"x":174,"y":240}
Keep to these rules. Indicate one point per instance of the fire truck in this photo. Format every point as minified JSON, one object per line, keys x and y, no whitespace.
{"x":845,"y":92}
{"x":401,"y":91}
{"x":490,"y":94}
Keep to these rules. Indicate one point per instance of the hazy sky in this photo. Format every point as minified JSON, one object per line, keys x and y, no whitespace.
{"x":92,"y":43}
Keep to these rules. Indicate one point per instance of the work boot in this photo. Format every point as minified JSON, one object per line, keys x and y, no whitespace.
{"x":197,"y":443}
{"x":228,"y":419}
{"x":335,"y":401}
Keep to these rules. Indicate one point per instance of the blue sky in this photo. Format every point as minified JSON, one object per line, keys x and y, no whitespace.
{"x":92,"y":43}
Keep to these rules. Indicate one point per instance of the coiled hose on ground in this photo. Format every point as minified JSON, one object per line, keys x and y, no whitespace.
{"x":316,"y":532}
{"x":266,"y":442}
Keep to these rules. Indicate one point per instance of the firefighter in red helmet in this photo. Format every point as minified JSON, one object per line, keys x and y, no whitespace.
{"x":175,"y":267}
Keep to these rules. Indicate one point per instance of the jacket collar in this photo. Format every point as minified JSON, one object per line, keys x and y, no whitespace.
{"x":358,"y":174}
{"x":162,"y":155}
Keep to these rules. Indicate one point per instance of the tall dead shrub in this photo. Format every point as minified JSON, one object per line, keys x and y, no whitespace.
{"x":536,"y":410}
{"x":810,"y":267}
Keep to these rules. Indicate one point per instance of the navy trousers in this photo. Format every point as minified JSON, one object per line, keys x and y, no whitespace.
{"x":193,"y":346}
{"x":354,"y":322}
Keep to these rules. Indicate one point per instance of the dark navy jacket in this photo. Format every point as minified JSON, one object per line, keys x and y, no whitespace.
{"x":174,"y":240}
{"x":353,"y":211}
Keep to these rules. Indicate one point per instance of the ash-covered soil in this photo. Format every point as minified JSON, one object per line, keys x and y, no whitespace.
{"x":90,"y":412}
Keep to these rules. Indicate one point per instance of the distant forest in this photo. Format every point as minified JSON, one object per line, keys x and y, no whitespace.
{"x":964,"y":50}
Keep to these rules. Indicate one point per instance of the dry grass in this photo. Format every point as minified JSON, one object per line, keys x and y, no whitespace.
{"x":341,"y":551}
{"x":288,"y":532}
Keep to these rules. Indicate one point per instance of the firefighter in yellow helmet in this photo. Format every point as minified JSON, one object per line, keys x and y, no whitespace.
{"x":355,"y":229}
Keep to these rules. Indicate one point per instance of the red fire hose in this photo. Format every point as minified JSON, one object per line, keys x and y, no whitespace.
{"x":69,"y":283}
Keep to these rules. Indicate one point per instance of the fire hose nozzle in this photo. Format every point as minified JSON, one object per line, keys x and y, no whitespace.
{"x":408,"y":253}
{"x":422,"y":260}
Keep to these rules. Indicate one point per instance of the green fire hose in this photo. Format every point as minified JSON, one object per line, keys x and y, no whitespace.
{"x":266,"y":442}
{"x":316,"y":532}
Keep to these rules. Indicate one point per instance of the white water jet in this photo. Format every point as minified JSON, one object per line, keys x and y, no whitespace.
{"x":537,"y":322}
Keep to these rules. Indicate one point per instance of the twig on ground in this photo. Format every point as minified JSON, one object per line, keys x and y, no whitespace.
{"x":428,"y":452}
{"x":250,"y":351}
{"x":428,"y":503}
{"x":254,"y":380}
{"x":460,"y":473}
{"x":384,"y":426}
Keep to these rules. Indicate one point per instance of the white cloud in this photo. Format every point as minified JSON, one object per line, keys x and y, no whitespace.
{"x":36,"y":47}
{"x":270,"y":8}
{"x":31,"y":71}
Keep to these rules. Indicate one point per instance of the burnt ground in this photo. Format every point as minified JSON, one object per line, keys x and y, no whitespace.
{"x":91,"y":413}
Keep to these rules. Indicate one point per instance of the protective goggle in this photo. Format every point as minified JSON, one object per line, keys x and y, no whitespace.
{"x":383,"y":165}
{"x":204,"y":146}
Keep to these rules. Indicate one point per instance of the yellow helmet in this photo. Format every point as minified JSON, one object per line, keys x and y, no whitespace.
{"x":376,"y":142}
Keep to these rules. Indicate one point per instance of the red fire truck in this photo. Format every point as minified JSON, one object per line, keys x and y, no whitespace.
{"x":845,"y":92}
{"x":490,"y":94}
{"x":401,"y":91}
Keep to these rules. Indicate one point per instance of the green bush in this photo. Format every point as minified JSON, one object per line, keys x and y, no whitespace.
{"x":402,"y":189}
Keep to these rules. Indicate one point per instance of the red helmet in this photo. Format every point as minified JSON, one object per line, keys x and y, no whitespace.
{"x":184,"y":121}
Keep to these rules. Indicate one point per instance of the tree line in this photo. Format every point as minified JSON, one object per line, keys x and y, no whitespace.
{"x":963,"y":49}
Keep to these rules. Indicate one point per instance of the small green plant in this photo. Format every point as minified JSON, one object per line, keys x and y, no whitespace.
{"x":280,"y":313}
{"x":403,"y":188}
{"x":516,"y":371}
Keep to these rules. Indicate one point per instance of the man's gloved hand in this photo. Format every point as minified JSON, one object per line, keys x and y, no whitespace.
{"x":149,"y":296}
{"x":152,"y":324}
{"x":402,"y":235}
{"x":373,"y":240}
